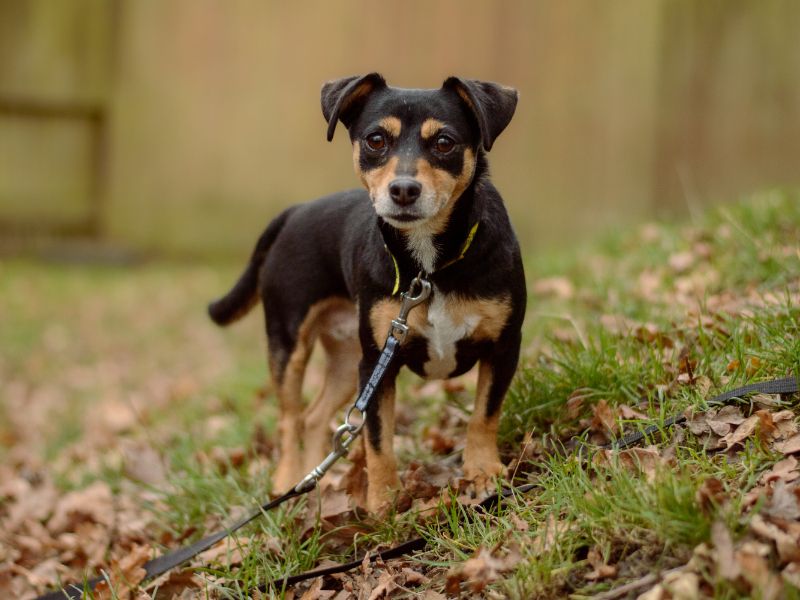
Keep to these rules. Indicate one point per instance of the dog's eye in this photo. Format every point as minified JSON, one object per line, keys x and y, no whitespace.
{"x":376,"y":141}
{"x":444,"y":144}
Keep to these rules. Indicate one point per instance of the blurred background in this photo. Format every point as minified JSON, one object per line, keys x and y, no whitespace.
{"x":180,"y":127}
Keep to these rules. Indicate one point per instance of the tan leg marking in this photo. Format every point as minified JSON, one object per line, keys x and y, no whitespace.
{"x":339,"y":339}
{"x":481,"y":458}
{"x":290,"y":395}
{"x":381,"y":463}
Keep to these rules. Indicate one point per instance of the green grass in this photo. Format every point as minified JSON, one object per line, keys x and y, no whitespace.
{"x":720,"y":293}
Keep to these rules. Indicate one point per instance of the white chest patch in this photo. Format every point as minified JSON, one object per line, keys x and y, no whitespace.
{"x":420,"y":242}
{"x":442,"y":331}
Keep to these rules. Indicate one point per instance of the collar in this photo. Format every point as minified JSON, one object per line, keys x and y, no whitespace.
{"x":464,"y":247}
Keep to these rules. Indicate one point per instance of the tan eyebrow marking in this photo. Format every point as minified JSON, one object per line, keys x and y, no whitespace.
{"x":392,"y":126}
{"x":430,"y":127}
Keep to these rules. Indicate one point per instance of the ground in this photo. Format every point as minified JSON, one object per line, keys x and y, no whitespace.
{"x":129,"y":424}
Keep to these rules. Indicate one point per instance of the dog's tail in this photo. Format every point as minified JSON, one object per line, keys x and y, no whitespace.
{"x":244,"y":294}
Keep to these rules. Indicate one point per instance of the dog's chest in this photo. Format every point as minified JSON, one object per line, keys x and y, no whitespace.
{"x":442,"y":328}
{"x":448,"y":322}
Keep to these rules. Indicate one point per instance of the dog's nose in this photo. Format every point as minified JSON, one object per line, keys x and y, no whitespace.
{"x":405,"y":191}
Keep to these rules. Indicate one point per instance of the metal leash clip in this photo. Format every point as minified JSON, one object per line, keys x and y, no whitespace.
{"x":343,"y":438}
{"x":399,"y":327}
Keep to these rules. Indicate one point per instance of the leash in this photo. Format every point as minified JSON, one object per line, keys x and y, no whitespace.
{"x":348,"y":432}
{"x":343,"y":438}
{"x":158,"y":566}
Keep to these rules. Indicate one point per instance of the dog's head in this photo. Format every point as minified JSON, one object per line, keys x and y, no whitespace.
{"x":415,"y":150}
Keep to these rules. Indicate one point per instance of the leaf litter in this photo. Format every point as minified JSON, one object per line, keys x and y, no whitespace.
{"x":50,"y":534}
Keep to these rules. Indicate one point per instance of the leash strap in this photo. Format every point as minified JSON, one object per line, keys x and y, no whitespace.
{"x":412,"y":545}
{"x":384,"y":360}
{"x":787,"y":385}
{"x":161,"y":564}
{"x":343,"y":438}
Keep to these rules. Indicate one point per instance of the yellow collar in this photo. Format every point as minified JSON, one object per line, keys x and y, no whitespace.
{"x":464,"y":248}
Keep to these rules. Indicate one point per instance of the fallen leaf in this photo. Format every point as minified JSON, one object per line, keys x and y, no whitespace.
{"x":787,"y":545}
{"x":682,"y":585}
{"x":93,"y":503}
{"x":790,"y":446}
{"x":481,"y":570}
{"x":752,"y":559}
{"x":783,"y":503}
{"x":784,"y":470}
{"x":710,"y":495}
{"x":126,"y":574}
{"x":142,"y":463}
{"x":727,"y":567}
{"x":604,"y":419}
{"x":426,"y":481}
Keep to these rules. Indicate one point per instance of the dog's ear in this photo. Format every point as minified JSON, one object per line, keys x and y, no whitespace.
{"x":342,"y":99}
{"x":492,"y":104}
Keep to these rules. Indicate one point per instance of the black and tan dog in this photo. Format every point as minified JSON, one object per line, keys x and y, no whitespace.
{"x":331,"y":270}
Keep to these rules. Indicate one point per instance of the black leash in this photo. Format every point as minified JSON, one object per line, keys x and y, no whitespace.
{"x":787,"y":385}
{"x":344,"y":437}
{"x":347,"y":433}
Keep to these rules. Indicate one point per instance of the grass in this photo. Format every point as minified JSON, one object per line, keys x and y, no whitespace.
{"x":657,"y":319}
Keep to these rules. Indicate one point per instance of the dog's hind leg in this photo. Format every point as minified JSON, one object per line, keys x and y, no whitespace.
{"x":338,"y":334}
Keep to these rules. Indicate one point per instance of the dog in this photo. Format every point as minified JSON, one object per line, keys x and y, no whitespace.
{"x":331,"y":271}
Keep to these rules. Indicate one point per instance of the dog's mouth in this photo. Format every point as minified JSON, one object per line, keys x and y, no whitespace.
{"x":404,"y":217}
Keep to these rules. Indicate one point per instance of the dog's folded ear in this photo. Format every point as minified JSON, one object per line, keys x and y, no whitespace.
{"x":492,"y":104}
{"x":342,"y":99}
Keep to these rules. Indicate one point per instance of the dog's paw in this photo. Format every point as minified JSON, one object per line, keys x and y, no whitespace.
{"x":482,"y":478}
{"x":380,"y":498}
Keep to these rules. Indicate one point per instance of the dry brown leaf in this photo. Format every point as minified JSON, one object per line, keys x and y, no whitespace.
{"x":727,"y":567}
{"x":786,"y":423}
{"x":427,"y":480}
{"x":604,"y":418}
{"x":786,"y":544}
{"x":142,"y":463}
{"x":682,"y":585}
{"x":93,"y":504}
{"x":791,"y":574}
{"x":783,"y":503}
{"x":789,"y":446}
{"x":481,"y":570}
{"x":438,"y":440}
{"x":574,"y":406}
{"x":631,"y":413}
{"x":785,"y":470}
{"x":641,"y":460}
{"x":386,"y":585}
{"x":752,"y":559}
{"x":315,"y":592}
{"x":126,"y":574}
{"x":760,"y":422}
{"x":710,"y":495}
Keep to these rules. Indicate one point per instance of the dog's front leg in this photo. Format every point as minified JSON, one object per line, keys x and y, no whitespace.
{"x":382,"y":477}
{"x":481,"y":457}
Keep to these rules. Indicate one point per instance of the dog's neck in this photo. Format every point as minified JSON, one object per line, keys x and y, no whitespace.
{"x":430,"y":247}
